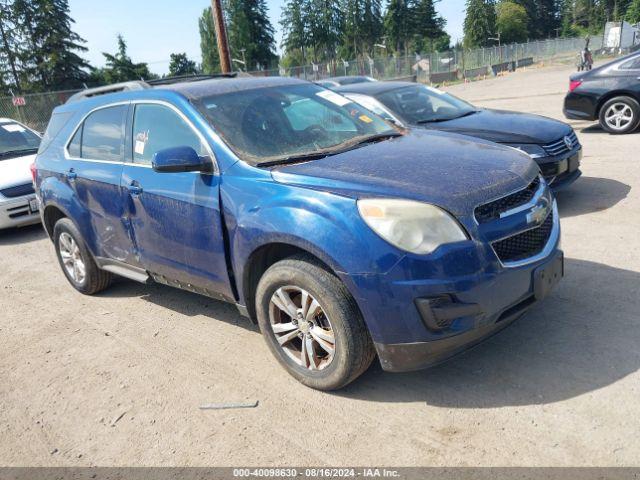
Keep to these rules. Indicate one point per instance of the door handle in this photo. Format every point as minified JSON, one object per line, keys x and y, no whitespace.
{"x":135,"y":188}
{"x":71,"y":174}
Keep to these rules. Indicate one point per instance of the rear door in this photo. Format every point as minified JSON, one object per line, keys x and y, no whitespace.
{"x":175,"y":217}
{"x":95,"y":157}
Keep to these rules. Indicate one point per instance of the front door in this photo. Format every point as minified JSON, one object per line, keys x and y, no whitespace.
{"x":175,"y":217}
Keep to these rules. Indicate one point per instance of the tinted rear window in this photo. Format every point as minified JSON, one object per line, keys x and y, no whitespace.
{"x":57,"y":121}
{"x":102,"y":134}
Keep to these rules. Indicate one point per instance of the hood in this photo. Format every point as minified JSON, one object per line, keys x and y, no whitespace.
{"x":452,"y":171}
{"x":506,"y":127}
{"x":15,"y":171}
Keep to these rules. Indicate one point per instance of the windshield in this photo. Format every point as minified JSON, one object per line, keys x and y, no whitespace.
{"x":16,"y":140}
{"x":422,"y":104}
{"x":283,"y":123}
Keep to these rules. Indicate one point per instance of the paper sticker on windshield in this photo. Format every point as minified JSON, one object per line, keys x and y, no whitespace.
{"x":13,"y":128}
{"x":365,"y":119}
{"x":334,"y":98}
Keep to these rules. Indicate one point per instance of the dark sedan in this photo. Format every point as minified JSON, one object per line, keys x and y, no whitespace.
{"x":609,"y":94}
{"x":552,"y":144}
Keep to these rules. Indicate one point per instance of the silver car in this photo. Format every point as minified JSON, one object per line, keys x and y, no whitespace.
{"x":18,"y":147}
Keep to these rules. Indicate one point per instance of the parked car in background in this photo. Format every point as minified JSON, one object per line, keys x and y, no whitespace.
{"x":552,"y":144}
{"x":609,"y":94}
{"x":343,"y":236}
{"x":18,"y":147}
{"x":334,"y":82}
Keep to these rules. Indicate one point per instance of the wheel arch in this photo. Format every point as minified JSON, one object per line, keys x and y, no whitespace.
{"x":263,"y":257}
{"x":618,"y":93}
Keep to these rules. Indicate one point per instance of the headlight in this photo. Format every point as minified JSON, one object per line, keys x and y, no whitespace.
{"x":411,"y":226}
{"x":534,"y":151}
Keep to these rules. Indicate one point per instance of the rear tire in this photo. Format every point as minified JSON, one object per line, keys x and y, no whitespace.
{"x":75,"y":260}
{"x":327,"y":319}
{"x":620,"y":115}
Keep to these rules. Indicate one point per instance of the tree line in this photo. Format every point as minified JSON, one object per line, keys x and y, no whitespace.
{"x":522,"y":20}
{"x":40,"y":51}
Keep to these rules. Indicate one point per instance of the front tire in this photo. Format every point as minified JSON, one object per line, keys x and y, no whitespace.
{"x":312,"y":325}
{"x":75,"y":260}
{"x":620,"y":115}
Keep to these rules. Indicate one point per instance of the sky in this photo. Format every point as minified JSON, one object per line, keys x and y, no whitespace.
{"x":153,"y":29}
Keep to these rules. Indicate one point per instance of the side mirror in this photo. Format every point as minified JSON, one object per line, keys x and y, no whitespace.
{"x":180,"y":159}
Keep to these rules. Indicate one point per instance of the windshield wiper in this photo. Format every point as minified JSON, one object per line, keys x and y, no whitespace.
{"x":22,"y":151}
{"x":306,"y":157}
{"x":378,"y":137}
{"x":446,"y":119}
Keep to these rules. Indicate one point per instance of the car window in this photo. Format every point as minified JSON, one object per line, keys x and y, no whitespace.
{"x":57,"y":121}
{"x":372,"y":104}
{"x":631,"y":65}
{"x":422,"y":104}
{"x":74,"y":147}
{"x":158,"y":127}
{"x":102,"y":134}
{"x":306,"y":114}
{"x":16,"y":139}
{"x":272,"y":124}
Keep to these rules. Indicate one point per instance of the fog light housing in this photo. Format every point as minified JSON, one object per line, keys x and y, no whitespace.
{"x":439,"y":313}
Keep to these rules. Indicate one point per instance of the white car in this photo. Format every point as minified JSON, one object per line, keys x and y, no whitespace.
{"x":18,"y":148}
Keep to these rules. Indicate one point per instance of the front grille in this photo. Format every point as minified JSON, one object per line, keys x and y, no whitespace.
{"x":18,"y":191}
{"x":559,"y":147}
{"x":491,"y":211}
{"x":525,"y":245}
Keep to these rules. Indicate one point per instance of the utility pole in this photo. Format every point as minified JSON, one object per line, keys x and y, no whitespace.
{"x":221,"y":35}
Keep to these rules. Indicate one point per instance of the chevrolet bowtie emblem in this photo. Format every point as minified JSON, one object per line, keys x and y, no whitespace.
{"x":539,"y":213}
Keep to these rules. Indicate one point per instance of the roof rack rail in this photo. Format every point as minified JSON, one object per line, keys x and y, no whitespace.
{"x":115,"y":88}
{"x":189,"y":78}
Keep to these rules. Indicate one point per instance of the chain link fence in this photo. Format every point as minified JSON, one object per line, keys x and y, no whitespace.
{"x":35,"y":109}
{"x":442,"y":66}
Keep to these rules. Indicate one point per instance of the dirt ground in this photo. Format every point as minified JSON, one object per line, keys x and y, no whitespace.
{"x":117,"y":379}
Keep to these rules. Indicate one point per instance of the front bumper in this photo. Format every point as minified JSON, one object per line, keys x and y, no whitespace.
{"x":484,"y":322}
{"x":561,"y":171}
{"x":19,"y":212}
{"x":428,"y":308}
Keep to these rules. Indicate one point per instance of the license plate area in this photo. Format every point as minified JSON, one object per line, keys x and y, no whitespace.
{"x":547,"y":277}
{"x":33,"y":205}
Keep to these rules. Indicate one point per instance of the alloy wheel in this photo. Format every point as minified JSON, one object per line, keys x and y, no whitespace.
{"x":619,"y":116}
{"x":302,"y":328}
{"x":71,"y":258}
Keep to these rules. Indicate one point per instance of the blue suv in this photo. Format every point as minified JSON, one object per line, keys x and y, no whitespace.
{"x":343,"y":236}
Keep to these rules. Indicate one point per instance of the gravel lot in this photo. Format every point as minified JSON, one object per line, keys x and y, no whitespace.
{"x":117,"y":379}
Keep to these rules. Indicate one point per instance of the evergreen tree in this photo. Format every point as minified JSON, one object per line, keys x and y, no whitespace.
{"x":479,"y":23}
{"x":180,"y":64}
{"x":250,"y":33}
{"x":633,"y":12}
{"x":208,"y":43}
{"x":363,"y":27}
{"x":543,"y":17}
{"x":9,"y":49}
{"x":294,"y":29}
{"x":51,"y":59}
{"x":428,"y":27}
{"x":397,"y":24}
{"x":325,"y":28}
{"x":120,"y":68}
